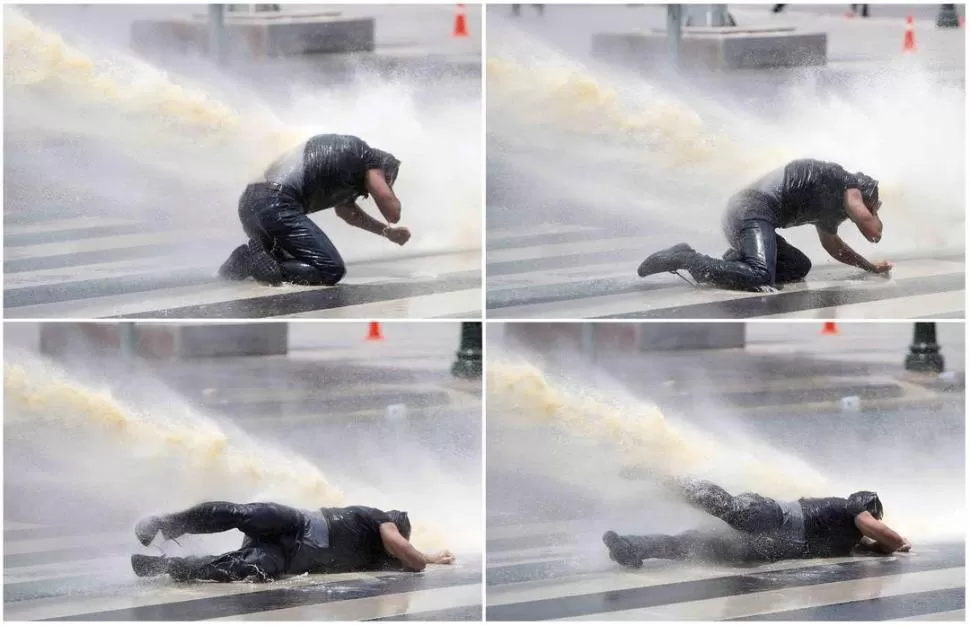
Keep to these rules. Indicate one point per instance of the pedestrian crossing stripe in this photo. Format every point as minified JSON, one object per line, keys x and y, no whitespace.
{"x":591,"y":274}
{"x":74,"y":586}
{"x":572,"y":584}
{"x":102,"y":268}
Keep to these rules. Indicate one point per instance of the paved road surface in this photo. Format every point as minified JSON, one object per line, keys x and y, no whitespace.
{"x":66,"y":548}
{"x":563,"y":271}
{"x":76,"y":267}
{"x":545,"y":559}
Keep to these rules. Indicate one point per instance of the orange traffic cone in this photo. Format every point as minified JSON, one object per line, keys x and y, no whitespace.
{"x":461,"y":29}
{"x":374,"y":332}
{"x":909,"y":39}
{"x":829,"y":329}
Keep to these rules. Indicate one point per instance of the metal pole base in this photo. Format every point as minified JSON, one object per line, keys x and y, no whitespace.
{"x":468,"y":363}
{"x":947,"y":17}
{"x":924,"y":354}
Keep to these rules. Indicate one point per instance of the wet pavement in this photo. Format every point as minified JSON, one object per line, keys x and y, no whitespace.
{"x":327,"y":402}
{"x":770,"y":412}
{"x":575,"y":271}
{"x":94,"y":228}
{"x":623,"y":166}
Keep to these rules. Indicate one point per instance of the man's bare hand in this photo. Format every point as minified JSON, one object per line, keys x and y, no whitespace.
{"x":398,"y":234}
{"x":445,"y":557}
{"x":906,"y":547}
{"x":882,"y":267}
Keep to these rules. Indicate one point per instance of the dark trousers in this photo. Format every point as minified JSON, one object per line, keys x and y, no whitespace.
{"x":274,"y":217}
{"x":755,"y":537}
{"x":759,"y":257}
{"x":271,"y":530}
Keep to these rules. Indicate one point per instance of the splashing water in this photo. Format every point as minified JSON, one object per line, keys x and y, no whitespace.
{"x":185,"y":142}
{"x":642,"y":436}
{"x":153,"y":458}
{"x":622,"y":144}
{"x":56,"y":87}
{"x":923,"y":495}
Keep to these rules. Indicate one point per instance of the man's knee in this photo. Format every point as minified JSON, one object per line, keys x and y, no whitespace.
{"x":319,"y":273}
{"x":334,"y":272}
{"x":761,"y":273}
{"x":802,"y":267}
{"x":794,"y":269}
{"x":331,"y":272}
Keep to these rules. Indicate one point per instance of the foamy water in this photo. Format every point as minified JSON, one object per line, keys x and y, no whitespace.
{"x":173,"y":129}
{"x":922,"y":495}
{"x":616,"y":143}
{"x":169,"y":456}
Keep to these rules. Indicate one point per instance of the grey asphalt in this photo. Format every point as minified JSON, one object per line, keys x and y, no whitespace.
{"x":770,"y":414}
{"x":353,"y":412}
{"x":101,"y":222}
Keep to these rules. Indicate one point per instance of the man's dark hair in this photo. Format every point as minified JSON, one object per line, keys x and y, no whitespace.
{"x":400,"y":519}
{"x":868,"y":500}
{"x":390,"y":165}
{"x":869,"y":188}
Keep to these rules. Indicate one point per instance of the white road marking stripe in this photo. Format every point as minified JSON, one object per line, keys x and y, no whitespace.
{"x":909,"y":307}
{"x":792,"y":599}
{"x":95,"y":244}
{"x":427,"y":306}
{"x":374,"y":607}
{"x":154,"y":595}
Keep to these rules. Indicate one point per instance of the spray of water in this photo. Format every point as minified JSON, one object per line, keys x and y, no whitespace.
{"x":167,"y":455}
{"x":607,"y":431}
{"x":607,"y":143}
{"x":153,"y":143}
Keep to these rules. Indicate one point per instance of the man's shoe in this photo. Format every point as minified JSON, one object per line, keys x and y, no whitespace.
{"x":669,"y":260}
{"x":621,"y":550}
{"x":732,"y":255}
{"x":146,"y":529}
{"x":146,"y":566}
{"x":237,"y":266}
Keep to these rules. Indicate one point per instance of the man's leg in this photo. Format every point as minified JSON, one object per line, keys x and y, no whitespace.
{"x":753,"y":270}
{"x":631,"y":550}
{"x":791,"y":263}
{"x":255,"y":520}
{"x":255,"y":258}
{"x":259,"y":563}
{"x":747,"y":512}
{"x":314,"y":260}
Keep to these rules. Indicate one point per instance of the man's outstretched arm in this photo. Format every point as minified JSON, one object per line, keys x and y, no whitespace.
{"x":841,"y":252}
{"x":400,"y":548}
{"x":356,"y":216}
{"x":886,"y":540}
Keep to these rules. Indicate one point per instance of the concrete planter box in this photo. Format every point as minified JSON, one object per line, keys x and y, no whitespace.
{"x":258,"y":35}
{"x":627,"y":337}
{"x":166,"y":341}
{"x":714,"y":48}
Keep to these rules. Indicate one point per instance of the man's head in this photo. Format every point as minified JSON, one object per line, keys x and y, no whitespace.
{"x":389,"y":165}
{"x":869,"y":188}
{"x":868,"y":500}
{"x":400,"y":519}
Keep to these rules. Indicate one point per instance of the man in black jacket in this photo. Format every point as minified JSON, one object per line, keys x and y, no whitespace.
{"x":803,"y":192}
{"x":324,"y":172}
{"x":282,"y":541}
{"x":766,"y":530}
